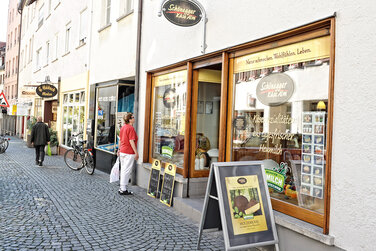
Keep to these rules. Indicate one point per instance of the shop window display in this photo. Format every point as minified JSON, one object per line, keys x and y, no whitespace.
{"x":113,"y":102}
{"x":280,"y":117}
{"x":170,"y":95}
{"x":73,"y":116}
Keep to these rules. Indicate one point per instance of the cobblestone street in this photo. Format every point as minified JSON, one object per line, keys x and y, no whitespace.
{"x":53,"y":207}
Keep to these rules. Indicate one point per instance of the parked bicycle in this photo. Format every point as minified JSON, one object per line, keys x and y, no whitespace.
{"x":79,"y":156}
{"x":4,"y":143}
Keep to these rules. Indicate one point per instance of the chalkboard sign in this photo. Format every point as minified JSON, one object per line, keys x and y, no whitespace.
{"x":168,"y":184}
{"x":244,"y":205}
{"x":154,"y":179}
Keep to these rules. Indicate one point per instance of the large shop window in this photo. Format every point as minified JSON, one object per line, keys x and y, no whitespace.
{"x":113,"y":102}
{"x":169,"y":114}
{"x":73,"y":115}
{"x":280,"y":117}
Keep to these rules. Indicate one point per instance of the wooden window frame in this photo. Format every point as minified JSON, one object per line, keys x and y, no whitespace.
{"x":313,"y":30}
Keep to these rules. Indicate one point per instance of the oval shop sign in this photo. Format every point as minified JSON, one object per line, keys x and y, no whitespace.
{"x":275,"y":89}
{"x":46,"y":91}
{"x":182,"y":12}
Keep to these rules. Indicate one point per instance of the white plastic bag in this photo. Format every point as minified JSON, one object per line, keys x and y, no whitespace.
{"x":114,"y":176}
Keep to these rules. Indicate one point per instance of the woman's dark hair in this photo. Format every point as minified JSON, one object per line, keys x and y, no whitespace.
{"x":128,"y":117}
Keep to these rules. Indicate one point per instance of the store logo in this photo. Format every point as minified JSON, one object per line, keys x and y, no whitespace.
{"x":242,"y":181}
{"x":275,"y":89}
{"x":170,"y":167}
{"x":182,"y":12}
{"x":276,"y":177}
{"x":169,"y":98}
{"x":46,"y":91}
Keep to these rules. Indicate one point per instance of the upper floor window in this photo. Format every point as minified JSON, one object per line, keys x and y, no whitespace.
{"x":38,"y":63}
{"x":126,"y":7}
{"x":47,"y":52}
{"x":67,"y":38}
{"x":106,"y":12}
{"x":41,"y":16}
{"x":83,"y":26}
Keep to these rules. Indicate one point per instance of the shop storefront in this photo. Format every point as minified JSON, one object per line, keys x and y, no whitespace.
{"x":111,"y":101}
{"x":268,"y":100}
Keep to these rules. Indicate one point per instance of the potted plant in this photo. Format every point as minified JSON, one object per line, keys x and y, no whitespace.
{"x":54,"y":142}
{"x":30,"y":123}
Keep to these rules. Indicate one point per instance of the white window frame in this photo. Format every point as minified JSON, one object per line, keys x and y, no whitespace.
{"x":40,"y":16}
{"x":47,"y":52}
{"x":83,"y":26}
{"x":67,"y":38}
{"x":38,"y":59}
{"x":126,"y":7}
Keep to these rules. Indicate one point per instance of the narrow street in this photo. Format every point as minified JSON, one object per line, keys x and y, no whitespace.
{"x":53,"y":207}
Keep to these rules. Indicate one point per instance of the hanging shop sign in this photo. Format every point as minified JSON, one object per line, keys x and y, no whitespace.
{"x":153,"y":188}
{"x":275,"y":89}
{"x":168,"y":184}
{"x":237,"y":200}
{"x":182,"y":12}
{"x":46,"y":91}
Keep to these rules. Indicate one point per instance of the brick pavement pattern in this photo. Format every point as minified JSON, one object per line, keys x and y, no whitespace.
{"x":55,"y":208}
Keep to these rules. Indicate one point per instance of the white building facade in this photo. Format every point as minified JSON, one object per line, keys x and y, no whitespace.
{"x":112,"y":74}
{"x":318,"y":46}
{"x":55,"y":50}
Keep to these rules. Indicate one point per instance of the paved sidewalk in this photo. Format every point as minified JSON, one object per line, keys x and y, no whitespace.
{"x":53,"y":207}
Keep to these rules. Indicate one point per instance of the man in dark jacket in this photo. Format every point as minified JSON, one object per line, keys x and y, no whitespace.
{"x":40,"y":136}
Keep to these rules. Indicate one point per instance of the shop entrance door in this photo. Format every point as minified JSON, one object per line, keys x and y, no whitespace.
{"x":205,"y":129}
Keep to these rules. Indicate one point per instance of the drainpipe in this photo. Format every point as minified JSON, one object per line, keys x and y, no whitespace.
{"x":19,"y":10}
{"x":137,"y":76}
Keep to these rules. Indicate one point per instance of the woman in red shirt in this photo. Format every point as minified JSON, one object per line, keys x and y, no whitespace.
{"x":128,"y":152}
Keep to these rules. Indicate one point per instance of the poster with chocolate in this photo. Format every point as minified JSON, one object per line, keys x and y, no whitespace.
{"x":246,"y":207}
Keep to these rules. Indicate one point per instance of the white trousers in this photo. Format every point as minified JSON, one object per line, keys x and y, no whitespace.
{"x":126,"y":161}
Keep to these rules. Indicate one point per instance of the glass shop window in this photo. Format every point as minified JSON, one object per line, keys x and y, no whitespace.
{"x":113,"y":103}
{"x":170,"y":98}
{"x":280,"y":117}
{"x":106,"y":116}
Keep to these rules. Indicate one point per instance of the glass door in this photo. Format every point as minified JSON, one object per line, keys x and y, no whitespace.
{"x":206,"y":100}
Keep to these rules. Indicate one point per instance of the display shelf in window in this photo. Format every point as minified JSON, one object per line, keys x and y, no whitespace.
{"x":313,"y":150}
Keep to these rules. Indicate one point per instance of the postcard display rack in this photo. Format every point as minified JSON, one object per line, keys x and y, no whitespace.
{"x":313,"y":149}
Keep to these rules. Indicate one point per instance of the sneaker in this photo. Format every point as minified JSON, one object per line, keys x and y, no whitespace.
{"x":36,"y":162}
{"x":40,"y":163}
{"x":126,"y":192}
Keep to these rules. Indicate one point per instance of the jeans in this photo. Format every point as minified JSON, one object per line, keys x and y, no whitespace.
{"x":39,"y":152}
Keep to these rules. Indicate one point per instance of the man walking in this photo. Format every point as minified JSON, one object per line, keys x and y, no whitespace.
{"x":40,"y":136}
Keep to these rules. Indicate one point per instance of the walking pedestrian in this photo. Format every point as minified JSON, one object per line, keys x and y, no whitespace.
{"x":40,"y":136}
{"x":128,"y":152}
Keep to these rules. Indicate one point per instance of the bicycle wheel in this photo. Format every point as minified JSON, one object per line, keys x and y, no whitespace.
{"x":89,"y":162}
{"x":73,"y":159}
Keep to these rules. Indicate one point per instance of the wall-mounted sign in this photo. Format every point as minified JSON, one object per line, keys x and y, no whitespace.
{"x":275,"y":89}
{"x":182,"y":12}
{"x":169,"y":98}
{"x":27,"y":92}
{"x":46,"y":91}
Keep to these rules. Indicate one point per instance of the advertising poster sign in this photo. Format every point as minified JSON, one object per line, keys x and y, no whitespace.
{"x":168,"y":184}
{"x":238,"y":193}
{"x":153,"y":187}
